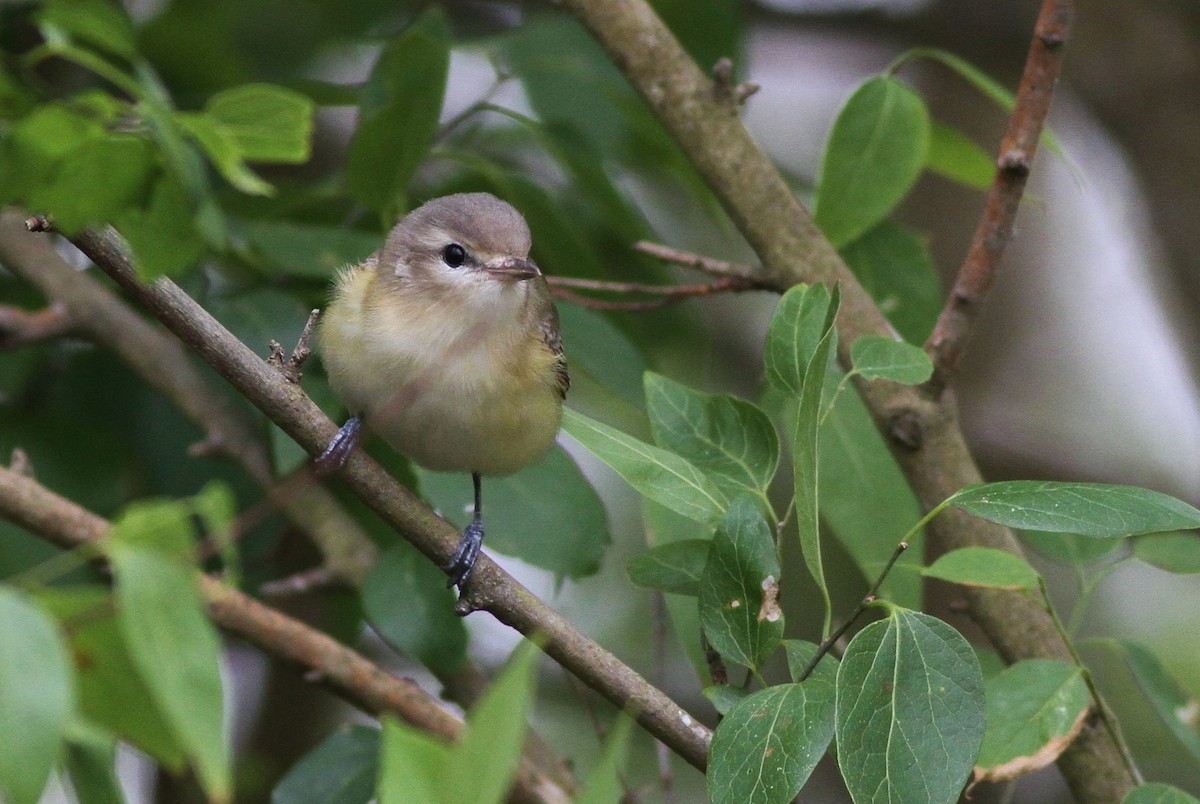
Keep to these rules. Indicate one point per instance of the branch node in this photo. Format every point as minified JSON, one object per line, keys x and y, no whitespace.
{"x":39,"y":223}
{"x":291,"y":368}
{"x":725,"y":91}
{"x":904,"y":427}
{"x":20,"y":463}
{"x":1014,"y":161}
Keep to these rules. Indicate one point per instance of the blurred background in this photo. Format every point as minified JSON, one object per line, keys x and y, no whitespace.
{"x":1084,"y":367}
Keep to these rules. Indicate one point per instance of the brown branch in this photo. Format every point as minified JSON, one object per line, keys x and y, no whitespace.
{"x":706,"y":264}
{"x":668,"y":294}
{"x":21,"y":327}
{"x":491,"y":589}
{"x":923,"y":432}
{"x":164,"y":364}
{"x":348,"y":553}
{"x":346,"y":672}
{"x":1017,"y":150}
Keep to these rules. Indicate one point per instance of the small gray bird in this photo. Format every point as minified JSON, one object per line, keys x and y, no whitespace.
{"x":446,"y":343}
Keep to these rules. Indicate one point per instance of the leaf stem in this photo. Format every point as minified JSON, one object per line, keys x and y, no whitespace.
{"x":870,"y":598}
{"x":1102,"y":710}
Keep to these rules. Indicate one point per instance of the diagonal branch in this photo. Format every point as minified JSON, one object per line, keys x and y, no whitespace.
{"x":995,"y":229}
{"x":344,"y":671}
{"x":922,"y":431}
{"x":491,"y":589}
{"x":164,"y":364}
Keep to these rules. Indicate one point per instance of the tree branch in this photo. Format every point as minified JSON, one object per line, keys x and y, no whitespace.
{"x":20,"y":327}
{"x":344,"y":671}
{"x":1017,"y":150}
{"x":99,"y":314}
{"x":922,"y":432}
{"x":491,"y":589}
{"x":162,"y":363}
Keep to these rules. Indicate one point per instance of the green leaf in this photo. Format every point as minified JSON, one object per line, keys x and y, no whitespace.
{"x":982,"y":82}
{"x":767,"y":746}
{"x":1099,"y":510}
{"x":599,"y":352}
{"x":875,"y":153}
{"x":342,"y":769}
{"x":111,"y":692}
{"x":412,"y":765}
{"x":984,"y":567}
{"x":800,"y":320}
{"x":222,"y":149}
{"x":724,"y":697}
{"x":727,"y":438}
{"x":805,"y":450}
{"x":664,"y":526}
{"x":878,"y":358}
{"x":893,"y":264}
{"x":175,"y":649}
{"x":910,"y":709}
{"x":551,"y":497}
{"x":675,"y":567}
{"x":268,"y":123}
{"x":37,"y":697}
{"x":604,"y":784}
{"x":1158,"y":793}
{"x":1174,"y":706}
{"x":491,"y":746}
{"x":1035,"y":709}
{"x":800,"y":653}
{"x":35,"y":148}
{"x":398,"y":116}
{"x":1070,"y":548}
{"x":1177,"y":552}
{"x":405,"y":598}
{"x":96,"y":22}
{"x":163,"y":234}
{"x":660,"y":475}
{"x":96,"y":182}
{"x":739,"y":604}
{"x":312,"y":252}
{"x":90,"y":762}
{"x":959,"y":158}
{"x":865,"y":500}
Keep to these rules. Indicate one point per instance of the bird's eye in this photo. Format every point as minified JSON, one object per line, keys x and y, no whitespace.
{"x":454,"y":255}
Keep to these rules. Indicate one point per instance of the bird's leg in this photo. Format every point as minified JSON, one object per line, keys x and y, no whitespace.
{"x":463,"y":562}
{"x":339,"y":449}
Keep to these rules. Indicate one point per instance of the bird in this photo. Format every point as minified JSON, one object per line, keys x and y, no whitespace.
{"x":446,"y":344}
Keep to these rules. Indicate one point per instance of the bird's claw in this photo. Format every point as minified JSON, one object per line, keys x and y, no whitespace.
{"x":459,"y":568}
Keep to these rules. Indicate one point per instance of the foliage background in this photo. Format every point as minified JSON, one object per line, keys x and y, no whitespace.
{"x":1086,"y":374}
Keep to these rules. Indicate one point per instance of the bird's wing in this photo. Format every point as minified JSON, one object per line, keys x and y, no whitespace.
{"x":552,"y":335}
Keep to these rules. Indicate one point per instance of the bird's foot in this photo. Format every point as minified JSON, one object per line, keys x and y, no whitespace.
{"x":459,"y":568}
{"x":340,"y":446}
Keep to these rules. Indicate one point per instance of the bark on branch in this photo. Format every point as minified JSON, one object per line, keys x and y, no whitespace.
{"x":492,"y":589}
{"x":344,"y":671}
{"x":922,"y":431}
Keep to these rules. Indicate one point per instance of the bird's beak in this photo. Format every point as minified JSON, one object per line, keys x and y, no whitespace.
{"x":511,"y":268}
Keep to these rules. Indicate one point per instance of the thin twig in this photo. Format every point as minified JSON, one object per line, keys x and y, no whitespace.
{"x":668,"y":294}
{"x":871,"y":597}
{"x":933,"y":455}
{"x":994,"y":231}
{"x":344,"y":671}
{"x":22,"y":327}
{"x":161,"y":362}
{"x":492,"y":589}
{"x":709,"y":265}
